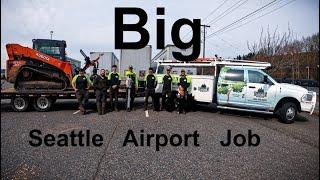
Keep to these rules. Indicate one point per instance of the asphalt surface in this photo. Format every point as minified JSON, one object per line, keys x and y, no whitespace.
{"x":285,"y":151}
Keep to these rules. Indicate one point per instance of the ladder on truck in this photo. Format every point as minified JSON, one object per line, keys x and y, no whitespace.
{"x":215,"y":63}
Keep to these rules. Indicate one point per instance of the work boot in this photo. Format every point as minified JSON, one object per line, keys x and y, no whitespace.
{"x":99,"y":108}
{"x":116,"y":107}
{"x":81,"y":108}
{"x":103,"y":111}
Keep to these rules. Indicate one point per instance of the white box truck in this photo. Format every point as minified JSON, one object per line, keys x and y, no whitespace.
{"x":140,"y":59}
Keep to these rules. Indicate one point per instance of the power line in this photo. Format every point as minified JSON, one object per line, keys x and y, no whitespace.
{"x":215,"y":10}
{"x":226,"y":12}
{"x":259,"y":16}
{"x":207,"y":16}
{"x":243,"y":18}
{"x":213,"y":44}
{"x":229,"y":44}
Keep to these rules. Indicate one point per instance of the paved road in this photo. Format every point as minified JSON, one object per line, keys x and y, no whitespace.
{"x":285,"y":151}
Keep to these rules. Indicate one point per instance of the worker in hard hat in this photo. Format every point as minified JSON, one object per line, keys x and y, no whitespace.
{"x":132,"y":85}
{"x":167,"y":80}
{"x":114,"y":79}
{"x":184,"y":83}
{"x":81,"y":84}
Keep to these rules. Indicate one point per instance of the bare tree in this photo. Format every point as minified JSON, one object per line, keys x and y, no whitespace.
{"x":288,"y":55}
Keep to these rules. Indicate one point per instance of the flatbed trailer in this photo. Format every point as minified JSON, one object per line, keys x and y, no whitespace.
{"x":42,"y":100}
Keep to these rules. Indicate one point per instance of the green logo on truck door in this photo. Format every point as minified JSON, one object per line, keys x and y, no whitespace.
{"x":231,"y":82}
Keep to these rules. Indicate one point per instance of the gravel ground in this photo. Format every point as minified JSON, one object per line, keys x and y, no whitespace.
{"x":285,"y":151}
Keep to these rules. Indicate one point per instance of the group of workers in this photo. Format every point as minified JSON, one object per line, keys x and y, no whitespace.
{"x":108,"y":83}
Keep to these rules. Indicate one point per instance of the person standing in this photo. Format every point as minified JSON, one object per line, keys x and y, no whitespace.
{"x":106,"y":73}
{"x":94,"y":74}
{"x":133,"y":79}
{"x":184,"y":82}
{"x":81,"y":84}
{"x":150,"y":85}
{"x":114,"y":82}
{"x":167,"y":80}
{"x":100,"y":84}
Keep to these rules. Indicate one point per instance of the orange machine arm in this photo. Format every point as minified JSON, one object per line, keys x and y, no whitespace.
{"x":17,"y":52}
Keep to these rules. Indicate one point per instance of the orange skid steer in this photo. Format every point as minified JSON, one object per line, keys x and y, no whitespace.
{"x":42,"y":67}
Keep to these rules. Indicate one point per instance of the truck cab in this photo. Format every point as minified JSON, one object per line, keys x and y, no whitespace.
{"x":253,"y":89}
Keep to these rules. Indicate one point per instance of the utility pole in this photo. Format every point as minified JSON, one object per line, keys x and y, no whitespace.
{"x":204,"y":42}
{"x":51,"y":32}
{"x":204,"y":38}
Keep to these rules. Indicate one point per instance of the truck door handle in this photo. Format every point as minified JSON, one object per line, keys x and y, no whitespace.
{"x":252,"y":87}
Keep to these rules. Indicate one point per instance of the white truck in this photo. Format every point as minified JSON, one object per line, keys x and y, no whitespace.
{"x":244,"y":85}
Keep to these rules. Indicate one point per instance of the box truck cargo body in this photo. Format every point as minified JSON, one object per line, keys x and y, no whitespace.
{"x":140,"y":59}
{"x":166,"y":54}
{"x":105,"y":62}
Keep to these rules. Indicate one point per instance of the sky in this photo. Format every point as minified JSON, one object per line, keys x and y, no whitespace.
{"x":89,"y":25}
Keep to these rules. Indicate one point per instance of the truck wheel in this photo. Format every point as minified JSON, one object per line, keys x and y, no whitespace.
{"x":19,"y":104}
{"x":288,"y":112}
{"x":42,"y":103}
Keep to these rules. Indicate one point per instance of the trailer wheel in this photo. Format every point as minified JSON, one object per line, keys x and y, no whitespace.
{"x":19,"y":104}
{"x":42,"y":103}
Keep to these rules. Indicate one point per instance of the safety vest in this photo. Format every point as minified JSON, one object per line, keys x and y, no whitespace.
{"x":184,"y":81}
{"x":151,"y":81}
{"x":114,"y":78}
{"x":81,"y":82}
{"x":133,"y":77}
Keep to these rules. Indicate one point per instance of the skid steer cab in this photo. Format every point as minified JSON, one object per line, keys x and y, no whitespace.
{"x":53,"y":48}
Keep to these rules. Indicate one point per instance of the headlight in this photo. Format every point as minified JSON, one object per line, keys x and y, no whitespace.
{"x":307,"y":98}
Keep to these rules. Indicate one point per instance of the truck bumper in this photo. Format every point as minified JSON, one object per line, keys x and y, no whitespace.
{"x":309,"y":106}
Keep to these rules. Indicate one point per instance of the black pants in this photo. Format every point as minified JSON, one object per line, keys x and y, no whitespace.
{"x":182,"y":103}
{"x":132,"y":95}
{"x":165,"y":94}
{"x":148,"y":93}
{"x":113,"y":93}
{"x":82,"y":97}
{"x":101,"y":96}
